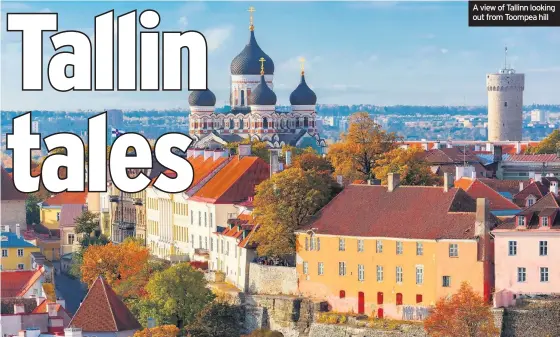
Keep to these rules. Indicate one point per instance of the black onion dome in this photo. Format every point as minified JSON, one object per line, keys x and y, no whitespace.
{"x":248,"y":61}
{"x":202,"y":98}
{"x":303,"y":95}
{"x":262,"y":94}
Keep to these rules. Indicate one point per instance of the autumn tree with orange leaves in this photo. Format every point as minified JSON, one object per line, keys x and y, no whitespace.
{"x":355,"y":156}
{"x":124,"y":266}
{"x":465,"y":314}
{"x":158,"y":331}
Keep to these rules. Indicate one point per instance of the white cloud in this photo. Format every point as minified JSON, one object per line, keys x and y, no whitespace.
{"x":215,"y":37}
{"x":183,"y":22}
{"x":373,"y":58}
{"x":444,"y":51}
{"x":428,"y":36}
{"x":14,"y":5}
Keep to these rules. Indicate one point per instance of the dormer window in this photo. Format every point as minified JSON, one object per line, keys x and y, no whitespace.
{"x":521,"y":221}
{"x":544,"y":221}
{"x":530,"y":201}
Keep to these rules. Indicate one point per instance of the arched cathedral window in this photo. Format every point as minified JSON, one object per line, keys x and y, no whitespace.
{"x":265,"y":123}
{"x":242,"y":97}
{"x":231,"y":123}
{"x":305,"y":122}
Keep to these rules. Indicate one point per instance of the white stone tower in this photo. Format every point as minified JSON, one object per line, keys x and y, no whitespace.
{"x":505,"y":104}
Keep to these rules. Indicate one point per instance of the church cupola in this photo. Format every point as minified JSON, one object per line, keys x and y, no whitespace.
{"x":262,"y":94}
{"x":202,"y":104}
{"x":202,"y":98}
{"x":245,"y":71}
{"x":303,"y":95}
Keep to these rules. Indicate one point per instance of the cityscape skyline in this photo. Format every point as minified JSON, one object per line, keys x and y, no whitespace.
{"x":403,"y":65}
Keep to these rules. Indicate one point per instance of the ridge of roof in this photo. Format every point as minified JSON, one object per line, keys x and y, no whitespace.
{"x":494,"y":193}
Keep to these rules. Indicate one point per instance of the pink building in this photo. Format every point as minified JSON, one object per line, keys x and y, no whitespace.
{"x":527,"y":252}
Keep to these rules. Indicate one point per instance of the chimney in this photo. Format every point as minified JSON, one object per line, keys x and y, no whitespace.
{"x":219,"y":153}
{"x":477,"y":147}
{"x":521,"y":186}
{"x":208,"y":154}
{"x":19,"y":308}
{"x":30,"y":332}
{"x":51,"y":309}
{"x":61,"y":302}
{"x":198,"y":153}
{"x":274,"y":163}
{"x":554,"y":187}
{"x":39,"y":300}
{"x":518,"y":148}
{"x":538,"y":177}
{"x":447,"y":182}
{"x":73,"y":332}
{"x":497,"y":154}
{"x":489,"y":147}
{"x":340,"y":180}
{"x":436,"y":145}
{"x":18,"y":231}
{"x":190,"y":153}
{"x":449,"y":145}
{"x":473,"y":175}
{"x":393,"y":180}
{"x":244,"y":150}
{"x":288,"y":158}
{"x":7,"y":228}
{"x":374,"y":182}
{"x":482,"y":225}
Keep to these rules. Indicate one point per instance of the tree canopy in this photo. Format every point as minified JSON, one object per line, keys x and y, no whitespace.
{"x":86,"y":223}
{"x":217,"y":319}
{"x":158,"y":331}
{"x":284,"y":203}
{"x":549,"y":145}
{"x":259,"y":149}
{"x":356,"y":155}
{"x":412,"y":170}
{"x":465,"y":314}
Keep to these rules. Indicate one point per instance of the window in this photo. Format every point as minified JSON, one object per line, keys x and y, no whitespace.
{"x":318,"y":244}
{"x":399,"y":274}
{"x":544,"y":274}
{"x":520,"y":221}
{"x":20,"y":266}
{"x":512,"y":248}
{"x":521,"y":274}
{"x":360,"y":272}
{"x":57,"y":216}
{"x":205,"y":220}
{"x":419,"y":274}
{"x":360,"y":245}
{"x":342,"y":294}
{"x":446,"y":281}
{"x":192,"y":217}
{"x":4,"y":252}
{"x":306,"y":243}
{"x":192,"y":240}
{"x":305,"y":268}
{"x":341,"y":245}
{"x":530,"y":203}
{"x":453,"y":250}
{"x":227,"y":248}
{"x":342,"y":268}
{"x":544,"y":221}
{"x":312,"y":243}
{"x":222,"y":246}
{"x":211,"y":219}
{"x":71,"y":239}
{"x":505,"y":104}
{"x":199,"y":241}
{"x":212,"y":244}
{"x":419,"y":248}
{"x":20,"y":252}
{"x":418,"y":298}
{"x":399,"y":247}
{"x":379,"y":246}
{"x":320,"y":268}
{"x":199,"y":218}
{"x":205,"y":243}
{"x":543,"y":248}
{"x":379,"y":273}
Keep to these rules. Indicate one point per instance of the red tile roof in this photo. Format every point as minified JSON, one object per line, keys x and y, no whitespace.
{"x":235,"y":182}
{"x":9,"y":191}
{"x":68,"y":214}
{"x":536,"y":188}
{"x":549,"y":206}
{"x":103,"y":311}
{"x":16,"y":283}
{"x":201,"y":168}
{"x":534,"y":158}
{"x":67,"y":198}
{"x":498,"y":202}
{"x":415,"y":212}
{"x":42,"y":308}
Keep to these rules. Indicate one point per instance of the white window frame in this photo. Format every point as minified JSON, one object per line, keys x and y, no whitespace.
{"x":22,"y":266}
{"x":419,"y":274}
{"x":543,"y":272}
{"x":399,"y":248}
{"x":342,"y":269}
{"x":20,"y":252}
{"x":4,"y":253}
{"x":361,"y":272}
{"x":446,"y":278}
{"x":320,"y":268}
{"x":544,"y":221}
{"x":453,"y":250}
{"x":341,"y":244}
{"x":399,"y":274}
{"x":543,"y":248}
{"x":379,"y":272}
{"x":360,"y":246}
{"x":521,"y":274}
{"x":419,"y":248}
{"x":305,"y":268}
{"x":379,"y":246}
{"x":512,"y":248}
{"x":521,"y":221}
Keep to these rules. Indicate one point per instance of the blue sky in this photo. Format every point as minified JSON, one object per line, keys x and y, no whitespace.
{"x":383,"y":53}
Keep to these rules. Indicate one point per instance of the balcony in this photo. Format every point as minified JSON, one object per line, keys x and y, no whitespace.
{"x":138,"y":202}
{"x":114,"y":198}
{"x":125,"y":225}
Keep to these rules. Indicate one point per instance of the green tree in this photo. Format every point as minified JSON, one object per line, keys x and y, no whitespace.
{"x":412,"y":170}
{"x":283,"y":204}
{"x":548,"y":145}
{"x":217,"y":319}
{"x":86,"y":223}
{"x":265,"y":333}
{"x":258,"y":149}
{"x":175,"y":296}
{"x":32,"y":209}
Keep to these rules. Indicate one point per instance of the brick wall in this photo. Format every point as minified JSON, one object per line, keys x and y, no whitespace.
{"x":272,"y":280}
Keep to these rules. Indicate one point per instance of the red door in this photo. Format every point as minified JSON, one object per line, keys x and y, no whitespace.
{"x":361,"y":303}
{"x":380,"y":313}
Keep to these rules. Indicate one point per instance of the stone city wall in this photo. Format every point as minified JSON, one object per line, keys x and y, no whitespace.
{"x":272,"y":280}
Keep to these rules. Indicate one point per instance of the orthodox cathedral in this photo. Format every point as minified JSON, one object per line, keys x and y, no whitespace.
{"x":253,"y":114}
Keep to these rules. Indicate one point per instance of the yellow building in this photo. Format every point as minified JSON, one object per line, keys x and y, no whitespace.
{"x":393,"y":251}
{"x":16,"y":252}
{"x":52,"y":207}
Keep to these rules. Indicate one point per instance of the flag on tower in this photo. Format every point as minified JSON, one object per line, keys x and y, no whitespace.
{"x":116,"y":132}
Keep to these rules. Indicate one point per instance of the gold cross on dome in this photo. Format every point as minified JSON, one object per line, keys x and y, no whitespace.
{"x":262,"y":60}
{"x":302,"y":61}
{"x":251,"y":10}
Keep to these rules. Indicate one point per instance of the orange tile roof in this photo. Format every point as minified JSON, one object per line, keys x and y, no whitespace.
{"x":463,"y":183}
{"x":498,"y":202}
{"x":201,"y":168}
{"x":67,"y":198}
{"x":16,"y":283}
{"x":42,"y":308}
{"x":9,"y":191}
{"x":235,"y":182}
